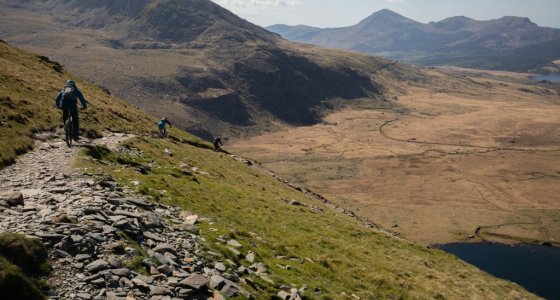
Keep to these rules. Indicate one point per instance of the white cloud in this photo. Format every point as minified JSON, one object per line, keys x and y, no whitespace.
{"x":259,"y":3}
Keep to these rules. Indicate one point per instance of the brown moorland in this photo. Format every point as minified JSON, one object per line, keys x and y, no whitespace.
{"x":470,"y":155}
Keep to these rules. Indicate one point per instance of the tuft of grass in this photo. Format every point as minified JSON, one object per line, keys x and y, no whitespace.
{"x":22,"y":261}
{"x":15,"y":284}
{"x":29,"y":254}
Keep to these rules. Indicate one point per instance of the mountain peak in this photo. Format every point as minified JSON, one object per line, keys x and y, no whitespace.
{"x":386,"y":16}
{"x":385,"y":13}
{"x":516,"y":20}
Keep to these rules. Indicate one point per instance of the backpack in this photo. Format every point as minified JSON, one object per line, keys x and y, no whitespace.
{"x":68,"y":93}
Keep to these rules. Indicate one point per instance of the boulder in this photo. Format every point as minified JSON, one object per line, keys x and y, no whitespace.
{"x":97,"y":266}
{"x":10,"y":199}
{"x":195,"y":281}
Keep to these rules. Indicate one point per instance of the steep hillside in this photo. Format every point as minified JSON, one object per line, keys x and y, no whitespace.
{"x":194,"y":61}
{"x":304,"y":242}
{"x":459,"y":41}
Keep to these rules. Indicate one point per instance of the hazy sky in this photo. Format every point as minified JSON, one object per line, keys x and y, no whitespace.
{"x":337,"y":13}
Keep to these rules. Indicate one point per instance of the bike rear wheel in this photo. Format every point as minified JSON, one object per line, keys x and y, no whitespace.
{"x":68,"y":132}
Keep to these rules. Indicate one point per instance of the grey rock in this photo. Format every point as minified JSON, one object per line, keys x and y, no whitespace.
{"x":159,"y":291}
{"x":115,"y":262}
{"x":127,"y":214}
{"x":217,"y":282}
{"x":232,"y":277}
{"x":121,"y":272}
{"x":234,"y":243}
{"x":140,"y":283}
{"x":260,"y":268}
{"x":62,"y":253}
{"x":82,"y":257}
{"x":84,"y":296}
{"x":76,"y":239}
{"x":190,"y":228}
{"x":162,"y":248}
{"x":195,"y":281}
{"x":162,"y":259}
{"x":250,"y":257}
{"x":97,"y":266}
{"x":185,"y":293}
{"x":152,"y":220}
{"x":153,"y":236}
{"x":165,"y":269}
{"x":126,"y":282}
{"x":92,"y":277}
{"x":231,"y":289}
{"x":10,"y":199}
{"x":284,"y":295}
{"x":220,"y":267}
{"x":98,"y":282}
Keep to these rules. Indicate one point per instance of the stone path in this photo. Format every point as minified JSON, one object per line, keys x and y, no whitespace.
{"x":105,"y":242}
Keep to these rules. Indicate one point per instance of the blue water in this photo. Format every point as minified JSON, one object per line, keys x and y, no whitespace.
{"x":550,"y":77}
{"x":536,"y":268}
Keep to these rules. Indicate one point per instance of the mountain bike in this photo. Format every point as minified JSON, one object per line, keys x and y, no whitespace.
{"x":68,"y":130}
{"x":163,"y":133}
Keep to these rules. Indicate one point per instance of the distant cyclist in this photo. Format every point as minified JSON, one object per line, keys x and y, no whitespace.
{"x":217,"y":143}
{"x":67,"y":100}
{"x":162,"y":126}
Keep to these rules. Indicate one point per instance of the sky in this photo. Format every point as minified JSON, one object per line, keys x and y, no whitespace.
{"x":339,"y":13}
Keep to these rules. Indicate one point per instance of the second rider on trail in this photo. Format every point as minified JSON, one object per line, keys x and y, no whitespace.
{"x":162,"y":127}
{"x":67,"y":100}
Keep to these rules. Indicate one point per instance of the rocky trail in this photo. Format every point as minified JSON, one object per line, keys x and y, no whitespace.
{"x":104,"y":241}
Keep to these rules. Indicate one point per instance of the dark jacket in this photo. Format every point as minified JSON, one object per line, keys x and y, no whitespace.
{"x":73,"y":100}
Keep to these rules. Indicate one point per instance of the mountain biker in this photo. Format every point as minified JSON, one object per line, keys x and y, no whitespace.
{"x":67,"y":101}
{"x":217,"y":143}
{"x":161,"y":126}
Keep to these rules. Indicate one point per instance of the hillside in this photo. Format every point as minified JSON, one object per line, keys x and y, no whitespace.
{"x":309,"y":244}
{"x":459,"y":41}
{"x":206,"y":69}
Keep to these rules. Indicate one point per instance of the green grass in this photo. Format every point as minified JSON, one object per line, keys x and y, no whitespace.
{"x":22,"y":262}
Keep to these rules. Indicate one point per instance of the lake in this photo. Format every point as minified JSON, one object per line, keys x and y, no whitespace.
{"x":549,"y":77}
{"x":535,"y":267}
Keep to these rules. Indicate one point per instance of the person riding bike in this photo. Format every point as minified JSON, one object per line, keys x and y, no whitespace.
{"x":161,"y":126}
{"x":67,"y":101}
{"x":217,"y":143}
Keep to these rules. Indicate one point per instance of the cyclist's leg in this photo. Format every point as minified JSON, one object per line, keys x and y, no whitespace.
{"x":75,"y":121}
{"x":65,"y":113}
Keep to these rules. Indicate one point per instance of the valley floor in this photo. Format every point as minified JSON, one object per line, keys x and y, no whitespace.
{"x":468,"y":154}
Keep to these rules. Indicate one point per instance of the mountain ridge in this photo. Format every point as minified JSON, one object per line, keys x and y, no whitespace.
{"x":450,"y":40}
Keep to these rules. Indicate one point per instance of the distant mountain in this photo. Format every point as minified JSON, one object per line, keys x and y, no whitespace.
{"x":493,"y":44}
{"x":193,"y":61}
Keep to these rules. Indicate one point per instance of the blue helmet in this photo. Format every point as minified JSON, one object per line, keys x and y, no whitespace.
{"x":70,"y":83}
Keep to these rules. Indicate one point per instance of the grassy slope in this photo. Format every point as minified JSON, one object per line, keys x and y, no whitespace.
{"x":249,"y":205}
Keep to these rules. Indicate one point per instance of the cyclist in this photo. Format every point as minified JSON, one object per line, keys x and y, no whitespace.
{"x":67,"y":101}
{"x":161,"y":126}
{"x":217,"y":143}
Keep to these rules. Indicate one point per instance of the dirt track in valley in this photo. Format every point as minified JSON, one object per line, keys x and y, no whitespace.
{"x":460,"y":154}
